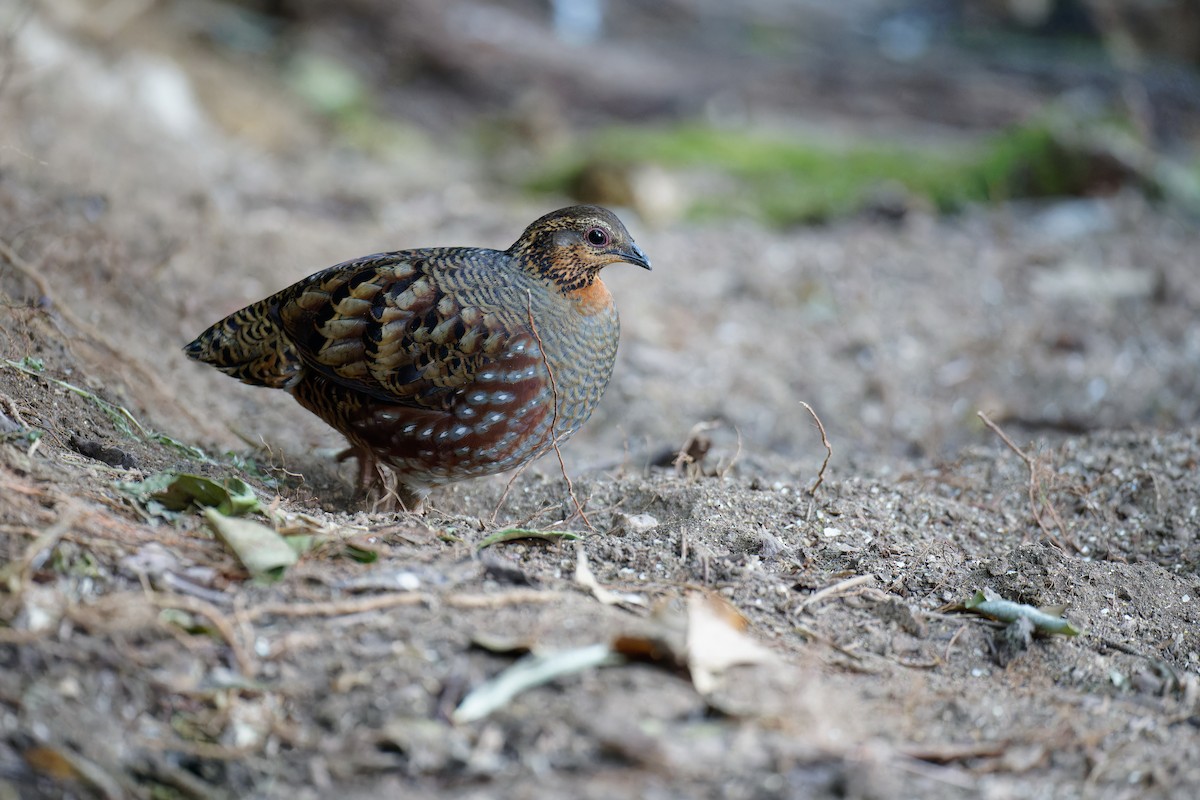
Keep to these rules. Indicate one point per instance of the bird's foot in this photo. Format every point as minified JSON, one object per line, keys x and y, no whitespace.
{"x":379,"y":487}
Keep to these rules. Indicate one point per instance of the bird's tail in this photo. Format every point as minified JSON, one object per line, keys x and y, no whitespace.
{"x":251,"y":346}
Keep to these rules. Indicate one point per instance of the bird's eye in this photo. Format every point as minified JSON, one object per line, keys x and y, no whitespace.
{"x":597,"y":237}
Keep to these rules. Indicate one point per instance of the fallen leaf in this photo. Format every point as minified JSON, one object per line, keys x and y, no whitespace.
{"x":178,"y":491}
{"x":587,"y":579}
{"x":517,"y":534}
{"x":301,"y":543}
{"x":532,"y":670}
{"x":716,"y":641}
{"x":51,"y":762}
{"x":231,"y":497}
{"x":261,"y":550}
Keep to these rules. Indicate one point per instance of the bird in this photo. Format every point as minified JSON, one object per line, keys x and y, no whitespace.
{"x":442,"y":364}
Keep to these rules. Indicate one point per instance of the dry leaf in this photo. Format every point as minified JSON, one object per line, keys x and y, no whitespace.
{"x":716,"y":641}
{"x":261,"y":550}
{"x":585,"y":578}
{"x":532,"y":670}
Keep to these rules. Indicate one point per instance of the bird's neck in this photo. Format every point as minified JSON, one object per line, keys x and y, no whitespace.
{"x":585,"y":289}
{"x":592,"y":298}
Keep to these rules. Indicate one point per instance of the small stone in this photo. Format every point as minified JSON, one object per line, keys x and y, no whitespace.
{"x":626,"y":524}
{"x":42,"y":608}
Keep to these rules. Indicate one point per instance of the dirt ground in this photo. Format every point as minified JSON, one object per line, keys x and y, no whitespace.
{"x":138,"y":658}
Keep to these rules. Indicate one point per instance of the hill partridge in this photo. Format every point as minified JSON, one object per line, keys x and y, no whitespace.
{"x":443,"y":363}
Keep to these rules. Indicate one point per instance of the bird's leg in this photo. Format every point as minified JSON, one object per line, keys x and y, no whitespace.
{"x":399,"y":496}
{"x":412,"y":498}
{"x":370,"y":471}
{"x":391,"y":495}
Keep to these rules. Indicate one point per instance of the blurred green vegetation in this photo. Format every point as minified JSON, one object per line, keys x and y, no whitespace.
{"x":788,"y":180}
{"x":344,"y":99}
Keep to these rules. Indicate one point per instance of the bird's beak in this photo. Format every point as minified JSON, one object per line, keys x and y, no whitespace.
{"x":634,"y":255}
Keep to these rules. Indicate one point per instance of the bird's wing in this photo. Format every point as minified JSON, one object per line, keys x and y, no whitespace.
{"x":401,"y":328}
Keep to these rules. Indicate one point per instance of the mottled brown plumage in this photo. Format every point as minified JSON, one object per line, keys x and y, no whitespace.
{"x":443,"y":363}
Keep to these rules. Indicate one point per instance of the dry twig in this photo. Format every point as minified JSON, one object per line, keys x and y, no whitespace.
{"x":194,"y":605}
{"x":841,"y":587}
{"x":337,"y":608}
{"x":1035,"y":471}
{"x":947,"y":752}
{"x":950,"y":644}
{"x":813,"y":635}
{"x":828,"y":450}
{"x":514,"y":598}
{"x":209,"y":750}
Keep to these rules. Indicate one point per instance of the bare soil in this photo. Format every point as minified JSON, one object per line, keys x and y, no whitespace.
{"x":138,"y":659}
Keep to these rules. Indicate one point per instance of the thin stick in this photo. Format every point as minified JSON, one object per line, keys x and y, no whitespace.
{"x":246,"y":664}
{"x":9,"y":406}
{"x":209,"y":750}
{"x":514,"y":598}
{"x":809,"y":633}
{"x":949,"y":776}
{"x":336,"y":608}
{"x":554,"y":418}
{"x":1034,"y":502}
{"x":950,"y":644}
{"x":947,"y":752}
{"x":841,"y":587}
{"x":16,"y":636}
{"x":1004,"y":438}
{"x":828,"y":450}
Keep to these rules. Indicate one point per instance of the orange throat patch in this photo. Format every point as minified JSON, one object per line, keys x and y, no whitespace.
{"x":592,"y":299}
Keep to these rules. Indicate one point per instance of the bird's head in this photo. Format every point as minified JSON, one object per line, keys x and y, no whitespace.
{"x":570,"y":246}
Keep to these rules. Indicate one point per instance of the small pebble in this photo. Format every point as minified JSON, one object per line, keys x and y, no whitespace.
{"x":627,"y":524}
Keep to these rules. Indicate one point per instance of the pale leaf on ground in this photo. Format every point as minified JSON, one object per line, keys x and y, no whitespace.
{"x":261,"y":550}
{"x":716,"y":641}
{"x":587,"y":579}
{"x":533,"y":670}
